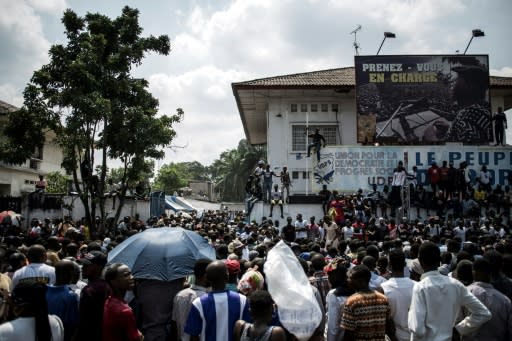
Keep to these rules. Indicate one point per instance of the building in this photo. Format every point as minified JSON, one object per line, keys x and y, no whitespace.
{"x":276,"y":110}
{"x":18,"y":180}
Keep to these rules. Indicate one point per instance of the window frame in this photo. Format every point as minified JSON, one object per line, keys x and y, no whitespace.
{"x":331,"y":138}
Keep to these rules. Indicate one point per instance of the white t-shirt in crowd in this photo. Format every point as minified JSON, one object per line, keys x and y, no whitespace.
{"x":24,"y":328}
{"x":37,"y":272}
{"x":398,"y":290}
{"x":348,"y":232}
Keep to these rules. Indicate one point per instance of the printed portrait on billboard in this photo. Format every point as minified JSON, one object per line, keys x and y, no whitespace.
{"x":423,"y":100}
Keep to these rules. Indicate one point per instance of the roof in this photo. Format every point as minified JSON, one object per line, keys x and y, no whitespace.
{"x":6,"y":107}
{"x":317,"y":79}
{"x":340,"y":77}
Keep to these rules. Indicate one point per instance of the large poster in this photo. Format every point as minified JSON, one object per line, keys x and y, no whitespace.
{"x":348,"y":168}
{"x":423,"y":99}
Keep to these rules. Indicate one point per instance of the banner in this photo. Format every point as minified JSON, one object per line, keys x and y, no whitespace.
{"x":423,"y":100}
{"x":349,"y":168}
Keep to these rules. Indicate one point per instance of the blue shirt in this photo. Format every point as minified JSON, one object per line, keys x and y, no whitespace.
{"x":63,"y":302}
{"x":213,"y":315}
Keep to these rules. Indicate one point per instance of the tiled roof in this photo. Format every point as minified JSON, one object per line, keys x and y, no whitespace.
{"x":342,"y":77}
{"x":6,"y":107}
{"x":501,"y":82}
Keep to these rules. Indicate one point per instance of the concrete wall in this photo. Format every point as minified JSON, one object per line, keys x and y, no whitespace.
{"x":130,"y":208}
{"x":291,"y":210}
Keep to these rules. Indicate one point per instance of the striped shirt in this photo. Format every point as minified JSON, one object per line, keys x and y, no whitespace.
{"x":366,"y":313}
{"x":213,"y":315}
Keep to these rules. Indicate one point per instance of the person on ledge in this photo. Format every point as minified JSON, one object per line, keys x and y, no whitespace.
{"x":318,"y":143}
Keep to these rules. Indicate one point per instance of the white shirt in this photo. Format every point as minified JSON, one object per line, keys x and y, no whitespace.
{"x":39,"y":272}
{"x":24,"y":328}
{"x":436,"y":302}
{"x":460,"y":232}
{"x":334,"y":308}
{"x":399,"y":178}
{"x":300,"y":228}
{"x":348,"y":232}
{"x":485,"y":177}
{"x":398,"y":290}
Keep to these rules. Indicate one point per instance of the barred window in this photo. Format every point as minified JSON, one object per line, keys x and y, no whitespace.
{"x":295,"y":175}
{"x":324,"y":107}
{"x":334,"y":107}
{"x":314,"y":107}
{"x":300,"y":140}
{"x":293,"y":108}
{"x":303,"y":107}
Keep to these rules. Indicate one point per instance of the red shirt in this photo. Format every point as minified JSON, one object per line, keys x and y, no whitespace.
{"x":338,"y":206}
{"x":358,"y":230}
{"x":434,"y":175}
{"x":119,"y":321}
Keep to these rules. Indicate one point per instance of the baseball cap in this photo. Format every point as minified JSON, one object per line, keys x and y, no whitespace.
{"x":94,"y":257}
{"x":233,"y":266}
{"x":236,"y":244}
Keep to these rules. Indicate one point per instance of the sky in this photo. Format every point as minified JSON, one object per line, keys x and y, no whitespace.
{"x":218,"y":42}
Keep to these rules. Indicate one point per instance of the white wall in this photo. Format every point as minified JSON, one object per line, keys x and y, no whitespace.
{"x":279,"y":129}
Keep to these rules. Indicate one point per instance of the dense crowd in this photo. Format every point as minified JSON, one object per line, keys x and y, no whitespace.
{"x":447,"y":277}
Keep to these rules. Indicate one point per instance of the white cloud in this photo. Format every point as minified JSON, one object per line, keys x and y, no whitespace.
{"x":24,"y":46}
{"x":48,"y":6}
{"x":505,"y":71}
{"x":11,"y":95}
{"x":211,"y":123}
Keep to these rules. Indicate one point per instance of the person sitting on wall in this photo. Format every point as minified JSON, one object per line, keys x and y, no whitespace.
{"x":40,"y":190}
{"x":41,"y":184}
{"x":277,"y":199}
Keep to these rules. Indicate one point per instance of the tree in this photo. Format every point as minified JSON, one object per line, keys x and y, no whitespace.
{"x":88,"y":97}
{"x":57,"y":183}
{"x":231,"y":170}
{"x":171,"y":178}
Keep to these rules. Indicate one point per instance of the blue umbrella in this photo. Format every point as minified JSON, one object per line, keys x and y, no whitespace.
{"x":162,"y":253}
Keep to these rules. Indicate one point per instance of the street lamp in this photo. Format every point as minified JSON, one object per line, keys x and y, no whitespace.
{"x":386,"y":35}
{"x":476,"y":33}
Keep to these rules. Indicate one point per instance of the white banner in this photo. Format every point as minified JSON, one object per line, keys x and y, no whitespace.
{"x":348,"y":168}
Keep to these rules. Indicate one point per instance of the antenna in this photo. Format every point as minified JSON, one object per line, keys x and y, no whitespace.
{"x":356,"y":44}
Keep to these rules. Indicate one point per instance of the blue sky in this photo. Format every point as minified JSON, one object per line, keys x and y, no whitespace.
{"x":217,"y":42}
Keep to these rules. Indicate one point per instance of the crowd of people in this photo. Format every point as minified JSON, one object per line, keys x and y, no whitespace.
{"x":375,"y":276}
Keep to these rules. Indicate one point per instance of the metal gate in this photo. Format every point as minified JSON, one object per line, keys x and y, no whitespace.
{"x":10,"y":203}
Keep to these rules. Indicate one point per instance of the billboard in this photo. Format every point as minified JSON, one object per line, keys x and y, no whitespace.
{"x":423,"y":99}
{"x":348,"y":168}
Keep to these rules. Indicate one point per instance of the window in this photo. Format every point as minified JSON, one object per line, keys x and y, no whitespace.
{"x":314,"y":107}
{"x":334,"y":107}
{"x":324,"y":107}
{"x":305,"y":175}
{"x":295,"y":175}
{"x":303,"y":107}
{"x":34,"y":164}
{"x":299,"y":136}
{"x":293,"y":108}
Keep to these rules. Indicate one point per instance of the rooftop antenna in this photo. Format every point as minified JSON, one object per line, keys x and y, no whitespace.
{"x":356,"y":44}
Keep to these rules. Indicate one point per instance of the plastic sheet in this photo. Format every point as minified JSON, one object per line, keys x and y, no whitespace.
{"x":290,"y":288}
